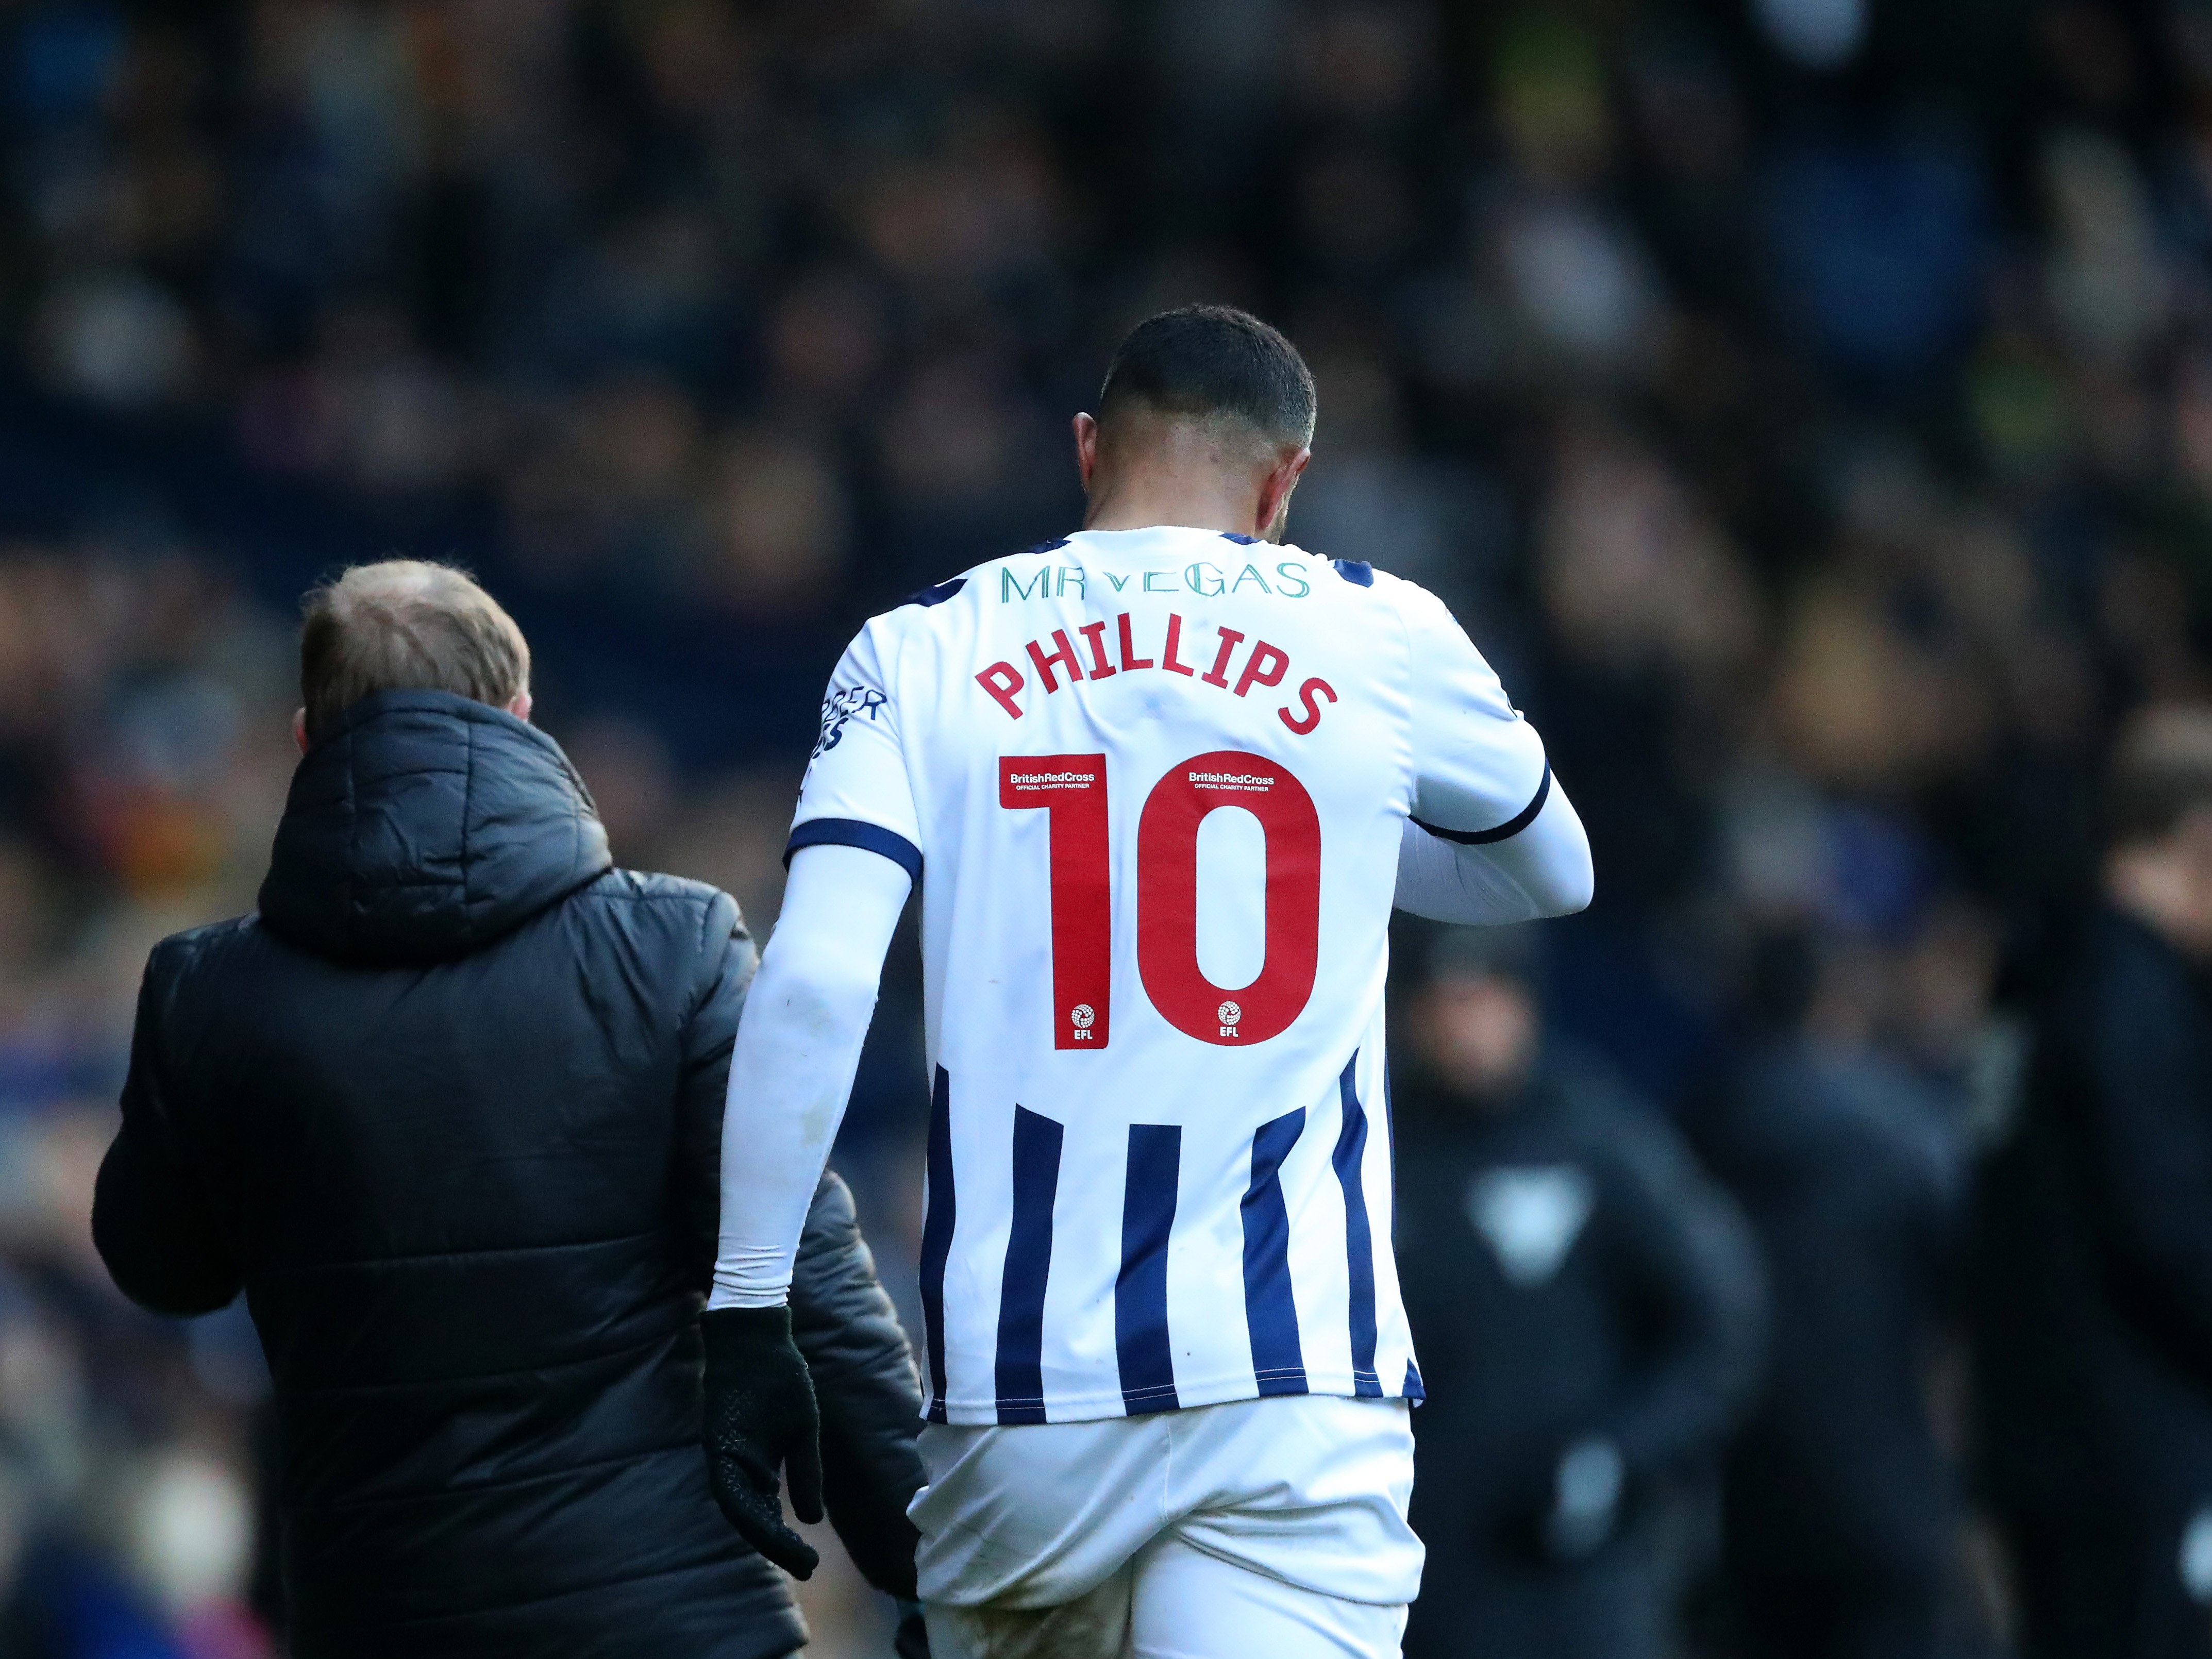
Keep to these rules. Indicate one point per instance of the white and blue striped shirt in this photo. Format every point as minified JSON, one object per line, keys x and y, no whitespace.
{"x":1153,"y":785}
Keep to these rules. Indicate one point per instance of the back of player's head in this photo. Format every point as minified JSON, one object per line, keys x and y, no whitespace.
{"x":1211,"y":362}
{"x":2161,"y":773}
{"x":405,"y":625}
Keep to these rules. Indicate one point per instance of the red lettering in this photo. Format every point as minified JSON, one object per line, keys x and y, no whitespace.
{"x":1175,"y":638}
{"x":1095,"y":633}
{"x":1002,"y":680}
{"x":1255,"y":674}
{"x":1219,"y":674}
{"x":1065,"y":656}
{"x":1129,"y":656}
{"x":1313,"y":709}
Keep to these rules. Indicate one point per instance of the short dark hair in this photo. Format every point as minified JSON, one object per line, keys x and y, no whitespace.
{"x":2162,"y":772}
{"x":1213,"y":360}
{"x":405,"y":625}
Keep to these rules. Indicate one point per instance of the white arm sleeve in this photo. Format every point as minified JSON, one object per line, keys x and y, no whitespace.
{"x":1491,"y":838}
{"x":1544,"y":870}
{"x":790,"y":1073}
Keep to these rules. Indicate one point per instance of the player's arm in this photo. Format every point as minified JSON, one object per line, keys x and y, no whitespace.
{"x":798,"y":1049}
{"x":798,"y":1046}
{"x":854,"y":856}
{"x":1492,"y":837}
{"x":1542,"y":869}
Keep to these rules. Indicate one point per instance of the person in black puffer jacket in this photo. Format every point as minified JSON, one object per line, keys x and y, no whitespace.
{"x":1589,"y":1315}
{"x":2091,"y":1260}
{"x":448,"y":1108}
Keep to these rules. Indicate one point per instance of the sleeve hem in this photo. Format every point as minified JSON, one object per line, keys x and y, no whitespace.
{"x":1505,"y":831}
{"x":858,"y":832}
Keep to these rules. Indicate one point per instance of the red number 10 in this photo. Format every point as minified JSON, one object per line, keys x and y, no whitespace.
{"x":1073,"y":789}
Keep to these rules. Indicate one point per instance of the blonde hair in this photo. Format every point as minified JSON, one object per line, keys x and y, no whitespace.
{"x":405,"y":625}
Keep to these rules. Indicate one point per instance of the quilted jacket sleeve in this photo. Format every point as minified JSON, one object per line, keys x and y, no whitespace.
{"x":156,"y":1214}
{"x":863,"y":1377}
{"x":724,"y":972}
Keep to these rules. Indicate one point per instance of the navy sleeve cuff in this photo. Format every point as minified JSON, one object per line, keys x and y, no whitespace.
{"x":858,"y":832}
{"x":1505,"y":831}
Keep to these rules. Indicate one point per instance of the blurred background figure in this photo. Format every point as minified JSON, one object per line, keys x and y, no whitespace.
{"x":2093,"y":1265}
{"x":1847,"y":1151}
{"x":1587,"y":1310}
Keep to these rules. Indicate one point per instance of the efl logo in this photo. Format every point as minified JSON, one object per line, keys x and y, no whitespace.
{"x":1083,"y":1016}
{"x":1230,"y":1013}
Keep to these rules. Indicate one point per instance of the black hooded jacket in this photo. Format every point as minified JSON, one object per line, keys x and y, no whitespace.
{"x":449,"y":1109}
{"x":2092,"y":1261}
{"x":1577,"y":1275}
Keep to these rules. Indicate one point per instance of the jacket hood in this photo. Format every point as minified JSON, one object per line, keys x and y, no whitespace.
{"x":424,"y":826}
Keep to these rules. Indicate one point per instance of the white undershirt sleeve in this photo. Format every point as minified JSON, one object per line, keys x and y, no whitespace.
{"x":1541,"y":870}
{"x":797,"y":1046}
{"x":1491,"y":837}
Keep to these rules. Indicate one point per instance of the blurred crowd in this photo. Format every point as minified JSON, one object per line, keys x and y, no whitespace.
{"x":1806,"y":404}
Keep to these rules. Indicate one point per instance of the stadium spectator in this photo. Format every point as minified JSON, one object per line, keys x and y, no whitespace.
{"x":447,"y":1109}
{"x":1841,"y":1509}
{"x":2092,"y":1280}
{"x":1587,"y":1308}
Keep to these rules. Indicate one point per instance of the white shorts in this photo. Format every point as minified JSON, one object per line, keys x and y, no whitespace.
{"x":1274,"y":1527}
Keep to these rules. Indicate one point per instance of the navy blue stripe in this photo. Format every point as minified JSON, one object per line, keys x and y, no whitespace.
{"x":1413,"y":1388}
{"x":1391,"y":1137}
{"x":1140,"y":1294}
{"x":1358,"y":572}
{"x":936,"y":595}
{"x":1505,"y":831}
{"x":1242,"y":541}
{"x":1350,"y":1158}
{"x":1270,"y":1315}
{"x":856,"y":832}
{"x":1028,"y":1263}
{"x":937,"y":1237}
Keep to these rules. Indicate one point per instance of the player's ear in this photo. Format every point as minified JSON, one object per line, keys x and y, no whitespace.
{"x":1275,"y":494}
{"x":1087,"y":449}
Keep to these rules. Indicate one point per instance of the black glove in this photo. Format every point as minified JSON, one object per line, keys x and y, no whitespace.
{"x":912,"y":1641}
{"x":761,"y":1417}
